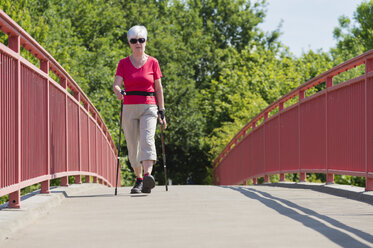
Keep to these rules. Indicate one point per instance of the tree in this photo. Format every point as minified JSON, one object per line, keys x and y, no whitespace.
{"x":353,"y":40}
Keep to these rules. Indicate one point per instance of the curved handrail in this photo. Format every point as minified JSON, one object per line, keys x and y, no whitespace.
{"x":298,"y":92}
{"x":84,"y":139}
{"x":11,"y":28}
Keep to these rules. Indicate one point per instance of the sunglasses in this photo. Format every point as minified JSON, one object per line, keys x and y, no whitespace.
{"x":140,"y":40}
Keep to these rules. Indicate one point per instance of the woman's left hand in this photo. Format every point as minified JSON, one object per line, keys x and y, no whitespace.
{"x":163,"y":122}
{"x":162,"y":118}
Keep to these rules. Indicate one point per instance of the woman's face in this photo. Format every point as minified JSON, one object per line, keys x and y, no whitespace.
{"x":137,"y":44}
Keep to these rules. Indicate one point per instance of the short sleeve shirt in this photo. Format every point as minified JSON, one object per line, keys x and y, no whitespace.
{"x":139,"y":79}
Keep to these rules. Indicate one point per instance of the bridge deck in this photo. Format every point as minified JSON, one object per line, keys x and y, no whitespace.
{"x":189,"y":216}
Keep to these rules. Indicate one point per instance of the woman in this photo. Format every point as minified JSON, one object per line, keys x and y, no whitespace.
{"x":141,"y":76}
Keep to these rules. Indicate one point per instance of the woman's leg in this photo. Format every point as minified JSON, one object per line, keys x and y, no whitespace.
{"x":148,"y":154}
{"x":131,"y":129}
{"x":138,"y":171}
{"x":148,"y":124}
{"x":148,"y":166}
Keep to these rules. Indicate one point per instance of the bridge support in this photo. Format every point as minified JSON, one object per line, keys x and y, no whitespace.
{"x":282,"y":177}
{"x":302,"y":177}
{"x":15,"y":199}
{"x":266,"y":179}
{"x":329,"y":178}
{"x":65,"y":181}
{"x":94,"y":179}
{"x":255,"y":180}
{"x":45,"y":187}
{"x":87,"y":179}
{"x":369,"y":184}
{"x":78,"y":179}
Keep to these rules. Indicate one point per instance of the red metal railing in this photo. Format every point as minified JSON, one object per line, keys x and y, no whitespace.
{"x":46,"y":132}
{"x":329,"y":132}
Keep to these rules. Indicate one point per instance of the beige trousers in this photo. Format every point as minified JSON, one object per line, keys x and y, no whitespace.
{"x":139,"y":122}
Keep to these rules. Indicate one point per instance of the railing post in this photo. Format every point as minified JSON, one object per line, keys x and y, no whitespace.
{"x":329,"y":82}
{"x":329,"y":176}
{"x":88,"y":178}
{"x":302,"y":175}
{"x":266,"y":177}
{"x":78,"y":178}
{"x":95,"y":180}
{"x":280,"y":108}
{"x":45,"y":186}
{"x":65,"y":179}
{"x":15,"y":197}
{"x":14,"y":43}
{"x":255,"y":180}
{"x":368,"y":131}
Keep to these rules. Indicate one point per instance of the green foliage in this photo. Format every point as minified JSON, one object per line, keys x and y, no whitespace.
{"x":315,"y":178}
{"x":4,"y":199}
{"x":350,"y":180}
{"x":354,"y":39}
{"x":127,"y":175}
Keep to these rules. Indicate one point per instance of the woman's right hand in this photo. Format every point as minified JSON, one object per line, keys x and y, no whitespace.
{"x":120,"y":95}
{"x":117,"y":88}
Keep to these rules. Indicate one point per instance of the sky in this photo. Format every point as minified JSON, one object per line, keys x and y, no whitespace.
{"x":307,"y":24}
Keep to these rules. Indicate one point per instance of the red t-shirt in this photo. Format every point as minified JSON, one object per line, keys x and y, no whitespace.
{"x":139,"y":79}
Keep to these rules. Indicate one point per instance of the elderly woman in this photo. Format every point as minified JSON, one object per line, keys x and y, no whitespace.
{"x":141,"y":76}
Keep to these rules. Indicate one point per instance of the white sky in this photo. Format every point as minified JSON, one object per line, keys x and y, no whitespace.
{"x":307,"y":24}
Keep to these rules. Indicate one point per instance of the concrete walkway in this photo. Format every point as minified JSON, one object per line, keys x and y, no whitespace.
{"x":188,"y":216}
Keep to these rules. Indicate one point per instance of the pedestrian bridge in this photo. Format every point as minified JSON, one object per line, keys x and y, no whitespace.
{"x":50,"y":129}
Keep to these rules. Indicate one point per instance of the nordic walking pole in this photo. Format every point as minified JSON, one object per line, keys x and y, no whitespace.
{"x":120,"y":134}
{"x":164,"y":158}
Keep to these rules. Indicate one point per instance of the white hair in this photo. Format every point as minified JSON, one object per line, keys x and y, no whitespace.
{"x":137,"y":30}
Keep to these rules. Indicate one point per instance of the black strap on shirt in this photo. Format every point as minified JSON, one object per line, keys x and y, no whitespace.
{"x":139,"y":93}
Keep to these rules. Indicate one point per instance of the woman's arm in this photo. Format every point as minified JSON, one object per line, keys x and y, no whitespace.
{"x":160,"y":99}
{"x":118,"y":81}
{"x":159,"y":93}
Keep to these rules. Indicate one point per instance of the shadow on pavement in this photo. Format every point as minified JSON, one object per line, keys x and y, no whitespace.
{"x":339,"y":237}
